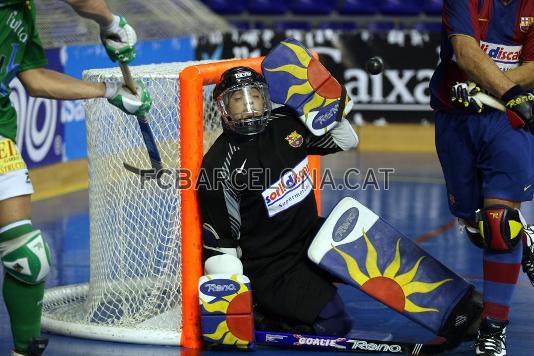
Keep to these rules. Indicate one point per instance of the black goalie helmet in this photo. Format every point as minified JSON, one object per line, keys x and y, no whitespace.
{"x":243,"y":101}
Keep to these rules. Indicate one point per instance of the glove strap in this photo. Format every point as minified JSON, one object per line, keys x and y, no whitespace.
{"x":113,"y":26}
{"x":342,"y":103}
{"x":111,"y":89}
{"x":512,"y":93}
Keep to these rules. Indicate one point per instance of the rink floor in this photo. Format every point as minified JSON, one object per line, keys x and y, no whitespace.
{"x":415,"y":203}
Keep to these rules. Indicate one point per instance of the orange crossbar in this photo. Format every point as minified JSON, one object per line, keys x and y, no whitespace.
{"x":191,"y":81}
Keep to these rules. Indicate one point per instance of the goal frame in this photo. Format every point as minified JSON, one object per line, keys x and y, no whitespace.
{"x":191,"y":82}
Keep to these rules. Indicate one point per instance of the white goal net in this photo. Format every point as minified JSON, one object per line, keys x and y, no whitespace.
{"x":134,"y":292}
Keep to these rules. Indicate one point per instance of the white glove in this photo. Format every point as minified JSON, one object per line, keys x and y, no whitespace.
{"x":119,"y":39}
{"x":136,"y":104}
{"x":463,"y":94}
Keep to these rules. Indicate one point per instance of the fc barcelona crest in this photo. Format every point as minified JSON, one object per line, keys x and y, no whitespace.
{"x":295,"y":139}
{"x":525,"y":23}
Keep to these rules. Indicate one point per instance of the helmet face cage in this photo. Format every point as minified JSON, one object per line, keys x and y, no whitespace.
{"x":245,"y":108}
{"x":243,"y":100}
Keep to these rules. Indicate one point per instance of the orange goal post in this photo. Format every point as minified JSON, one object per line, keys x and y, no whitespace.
{"x":145,"y":234}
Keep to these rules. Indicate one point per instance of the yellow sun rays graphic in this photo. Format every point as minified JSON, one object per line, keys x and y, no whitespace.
{"x":301,"y":72}
{"x":222,"y":334}
{"x":389,"y":286}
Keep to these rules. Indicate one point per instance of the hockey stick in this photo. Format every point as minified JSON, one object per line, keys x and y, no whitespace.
{"x":146,"y":132}
{"x":490,"y":101}
{"x":330,"y":343}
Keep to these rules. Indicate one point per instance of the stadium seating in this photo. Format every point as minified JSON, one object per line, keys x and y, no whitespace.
{"x":357,"y":7}
{"x":267,"y":7}
{"x":227,"y":6}
{"x":338,"y":25}
{"x":313,"y":7}
{"x":378,"y":26}
{"x":428,"y":26}
{"x":401,"y":7}
{"x":291,"y":25}
{"x":241,"y":25}
{"x":433,"y":7}
{"x":385,"y":14}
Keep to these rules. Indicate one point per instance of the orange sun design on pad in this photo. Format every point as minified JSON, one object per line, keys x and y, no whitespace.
{"x":231,"y":331}
{"x":315,"y":79}
{"x":388,"y":286}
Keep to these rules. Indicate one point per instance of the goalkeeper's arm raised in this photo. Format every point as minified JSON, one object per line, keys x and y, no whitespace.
{"x":298,"y":80}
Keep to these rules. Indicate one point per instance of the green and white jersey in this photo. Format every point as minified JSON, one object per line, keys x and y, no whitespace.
{"x":20,"y":50}
{"x":12,"y":2}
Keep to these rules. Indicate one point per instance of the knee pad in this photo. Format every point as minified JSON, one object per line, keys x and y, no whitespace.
{"x":500,"y":227}
{"x":27,"y":258}
{"x":474,"y":236}
{"x":472,"y":233}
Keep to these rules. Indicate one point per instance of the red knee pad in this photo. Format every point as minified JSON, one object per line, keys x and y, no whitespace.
{"x":500,"y":226}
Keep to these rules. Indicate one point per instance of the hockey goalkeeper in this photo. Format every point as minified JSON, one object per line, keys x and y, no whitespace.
{"x":260,"y":218}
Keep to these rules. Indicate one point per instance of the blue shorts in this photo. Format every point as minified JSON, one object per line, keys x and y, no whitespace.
{"x":482,"y":156}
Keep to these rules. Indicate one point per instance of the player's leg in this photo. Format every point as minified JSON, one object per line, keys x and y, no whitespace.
{"x":455,"y":148}
{"x":303,"y":300}
{"x":295,"y":305}
{"x":24,"y":255}
{"x":506,"y":166}
{"x":527,"y":261}
{"x":333,"y":320}
{"x":501,"y":227}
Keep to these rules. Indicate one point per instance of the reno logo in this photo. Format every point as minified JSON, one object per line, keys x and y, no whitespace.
{"x":506,"y":57}
{"x":375,"y":347}
{"x":219,"y":288}
{"x":326,"y":116}
{"x":345,"y":224}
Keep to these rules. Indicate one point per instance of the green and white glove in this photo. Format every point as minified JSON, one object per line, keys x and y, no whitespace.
{"x":136,"y":104}
{"x":119,"y":40}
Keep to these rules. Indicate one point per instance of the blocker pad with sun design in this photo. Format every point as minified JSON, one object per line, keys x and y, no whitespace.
{"x":364,"y":251}
{"x":226,"y":311}
{"x":296,"y":79}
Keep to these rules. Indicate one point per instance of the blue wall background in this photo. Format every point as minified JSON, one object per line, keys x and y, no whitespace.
{"x":52,"y":131}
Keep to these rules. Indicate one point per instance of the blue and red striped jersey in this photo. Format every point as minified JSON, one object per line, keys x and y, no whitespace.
{"x":503,"y":29}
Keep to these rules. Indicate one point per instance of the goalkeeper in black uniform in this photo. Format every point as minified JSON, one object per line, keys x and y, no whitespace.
{"x":259,"y":220}
{"x":258,"y":209}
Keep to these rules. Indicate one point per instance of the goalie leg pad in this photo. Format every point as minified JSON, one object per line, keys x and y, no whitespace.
{"x":358,"y":247}
{"x":226,"y":311}
{"x":27,"y":258}
{"x":500,"y":226}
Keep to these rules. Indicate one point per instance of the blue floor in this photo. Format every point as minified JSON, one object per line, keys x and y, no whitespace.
{"x":415,"y":203}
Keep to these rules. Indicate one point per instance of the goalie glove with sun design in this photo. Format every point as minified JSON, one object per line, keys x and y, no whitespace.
{"x":298,"y":80}
{"x":226,"y":311}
